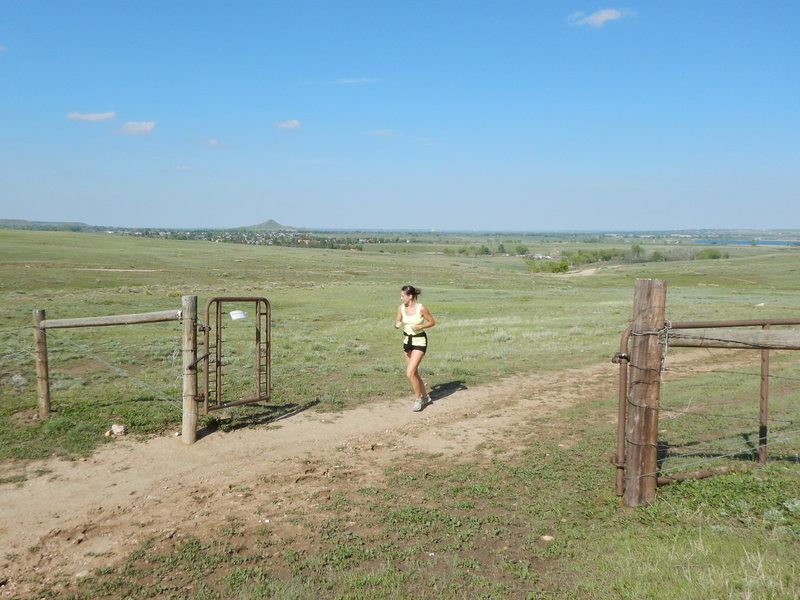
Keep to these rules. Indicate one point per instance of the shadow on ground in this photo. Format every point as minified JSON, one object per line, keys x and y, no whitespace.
{"x":269,"y":414}
{"x":443,"y":390}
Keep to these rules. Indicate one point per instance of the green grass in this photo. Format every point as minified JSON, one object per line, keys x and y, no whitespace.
{"x":429,"y":528}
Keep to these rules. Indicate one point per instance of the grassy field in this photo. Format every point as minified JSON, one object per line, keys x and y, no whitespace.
{"x":734,"y":536}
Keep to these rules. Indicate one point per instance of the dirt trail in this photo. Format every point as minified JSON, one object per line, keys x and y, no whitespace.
{"x":81,"y":515}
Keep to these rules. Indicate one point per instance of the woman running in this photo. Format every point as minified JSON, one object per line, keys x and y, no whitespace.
{"x":413,"y":318}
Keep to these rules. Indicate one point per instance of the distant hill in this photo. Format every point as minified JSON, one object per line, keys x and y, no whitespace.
{"x":270,"y":225}
{"x":44,"y":225}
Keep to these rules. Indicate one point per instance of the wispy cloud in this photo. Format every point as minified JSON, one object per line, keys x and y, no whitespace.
{"x":381,"y":133}
{"x":100,"y":116}
{"x":291,"y":124}
{"x":2,"y":48}
{"x":599,"y":18}
{"x":213,"y":142}
{"x":137,"y":128}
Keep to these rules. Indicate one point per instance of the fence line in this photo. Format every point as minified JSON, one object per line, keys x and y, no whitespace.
{"x":187,"y":314}
{"x":639,"y":398}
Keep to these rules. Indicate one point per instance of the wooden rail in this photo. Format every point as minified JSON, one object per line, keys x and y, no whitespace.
{"x":188,"y":314}
{"x":763,"y":339}
{"x":151,"y":317}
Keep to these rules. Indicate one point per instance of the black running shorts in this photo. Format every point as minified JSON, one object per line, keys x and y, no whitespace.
{"x":418,"y":341}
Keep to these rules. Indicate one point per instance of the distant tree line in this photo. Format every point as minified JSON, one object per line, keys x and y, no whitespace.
{"x":636,"y":253}
{"x":484,"y":250}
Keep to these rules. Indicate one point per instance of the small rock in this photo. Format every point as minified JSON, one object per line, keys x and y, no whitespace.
{"x":547,"y":538}
{"x":18,"y":381}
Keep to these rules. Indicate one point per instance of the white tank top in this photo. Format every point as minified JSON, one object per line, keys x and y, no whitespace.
{"x":410,"y":320}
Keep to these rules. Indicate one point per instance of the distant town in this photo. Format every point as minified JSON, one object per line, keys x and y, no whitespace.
{"x":272,"y":233}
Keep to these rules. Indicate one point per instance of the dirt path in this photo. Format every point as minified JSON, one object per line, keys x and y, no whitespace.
{"x":81,"y":515}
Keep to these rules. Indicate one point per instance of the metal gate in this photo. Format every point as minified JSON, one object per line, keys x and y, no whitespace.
{"x":214,"y":355}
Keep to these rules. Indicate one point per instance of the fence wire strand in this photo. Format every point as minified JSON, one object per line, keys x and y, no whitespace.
{"x":726,"y":411}
{"x":159,"y":394}
{"x":786,"y":436}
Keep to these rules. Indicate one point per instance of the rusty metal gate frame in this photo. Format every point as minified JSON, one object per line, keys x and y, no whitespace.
{"x":212,"y":400}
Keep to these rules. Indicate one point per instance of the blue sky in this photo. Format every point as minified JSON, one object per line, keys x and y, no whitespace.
{"x":451,"y":115}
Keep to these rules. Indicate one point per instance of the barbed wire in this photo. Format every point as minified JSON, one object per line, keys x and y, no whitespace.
{"x":17,"y":353}
{"x":695,"y":370}
{"x":158,"y":393}
{"x":61,"y":347}
{"x":773,"y":439}
{"x":24,"y":325}
{"x":705,"y":404}
{"x":724,"y":447}
{"x":710,"y":416}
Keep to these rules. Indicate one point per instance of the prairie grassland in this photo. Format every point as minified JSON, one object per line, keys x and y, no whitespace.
{"x":735,"y":536}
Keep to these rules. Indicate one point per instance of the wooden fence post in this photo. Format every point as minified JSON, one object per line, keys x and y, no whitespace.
{"x":641,"y":456}
{"x":42,"y":373}
{"x":763,"y":411}
{"x":189,"y":422}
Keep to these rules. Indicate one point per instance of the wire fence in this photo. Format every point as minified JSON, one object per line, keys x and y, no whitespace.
{"x":709,"y":412}
{"x":145,"y":362}
{"x":141,"y":361}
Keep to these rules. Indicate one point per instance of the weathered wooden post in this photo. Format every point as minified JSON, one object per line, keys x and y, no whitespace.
{"x":189,"y":317}
{"x":763,"y":412}
{"x":641,"y":456}
{"x":42,"y":374}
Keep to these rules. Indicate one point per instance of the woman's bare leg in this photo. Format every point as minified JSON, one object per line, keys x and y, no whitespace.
{"x":413,"y":358}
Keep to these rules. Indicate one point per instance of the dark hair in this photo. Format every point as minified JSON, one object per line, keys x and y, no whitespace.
{"x":411,"y":291}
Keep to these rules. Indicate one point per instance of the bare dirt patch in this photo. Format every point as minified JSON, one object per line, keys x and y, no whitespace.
{"x":69,"y":518}
{"x":116,"y":270}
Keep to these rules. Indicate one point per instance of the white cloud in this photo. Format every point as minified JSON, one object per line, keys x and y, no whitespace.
{"x":184,"y":168}
{"x":213,"y":142}
{"x":382,"y":133}
{"x":104,"y":116}
{"x":2,"y":48}
{"x":599,"y":18}
{"x":137,"y":128}
{"x":291,"y":124}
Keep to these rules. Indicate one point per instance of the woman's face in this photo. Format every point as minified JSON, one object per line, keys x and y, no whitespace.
{"x":405,"y":298}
